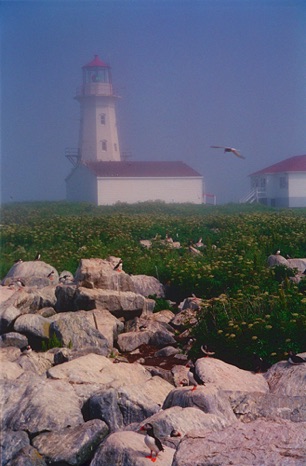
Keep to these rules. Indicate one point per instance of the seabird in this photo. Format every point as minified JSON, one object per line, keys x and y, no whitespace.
{"x":118,"y":267}
{"x":26,"y":349}
{"x":152,"y":442}
{"x":37,"y":257}
{"x":199,"y":243}
{"x":258,"y":363}
{"x":18,"y":261}
{"x":206,"y":351}
{"x":294,"y":359}
{"x":175,"y":433}
{"x":193,"y":377}
{"x":229,"y":149}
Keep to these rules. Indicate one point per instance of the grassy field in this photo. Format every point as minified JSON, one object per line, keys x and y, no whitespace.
{"x":247,"y":307}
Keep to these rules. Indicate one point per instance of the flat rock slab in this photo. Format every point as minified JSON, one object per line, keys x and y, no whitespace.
{"x":97,"y":369}
{"x":258,"y":443}
{"x":227,"y":377}
{"x":128,"y":449}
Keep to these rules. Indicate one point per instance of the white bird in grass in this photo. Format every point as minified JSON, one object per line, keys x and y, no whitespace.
{"x":230,"y":149}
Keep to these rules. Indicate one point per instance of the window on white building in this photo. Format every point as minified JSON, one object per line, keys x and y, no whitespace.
{"x":115,"y":147}
{"x":104,"y":144}
{"x":283,"y":182}
{"x":102,"y":119}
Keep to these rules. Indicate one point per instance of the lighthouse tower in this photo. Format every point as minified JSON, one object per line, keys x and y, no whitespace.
{"x":98,"y":137}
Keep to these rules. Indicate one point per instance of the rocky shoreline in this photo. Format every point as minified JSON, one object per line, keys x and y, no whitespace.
{"x":114,"y":365}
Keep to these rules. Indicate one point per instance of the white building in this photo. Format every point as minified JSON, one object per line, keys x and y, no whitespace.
{"x":280,"y":185}
{"x":99,"y":175}
{"x":105,"y":183}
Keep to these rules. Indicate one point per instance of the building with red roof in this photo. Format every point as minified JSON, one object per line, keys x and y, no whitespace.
{"x":280,"y":185}
{"x":100,"y":175}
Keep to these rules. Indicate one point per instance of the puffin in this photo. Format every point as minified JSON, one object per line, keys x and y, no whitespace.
{"x":175,"y":433}
{"x":294,"y":359}
{"x":258,"y":363}
{"x":152,"y":442}
{"x":193,"y":377}
{"x":206,"y":351}
{"x":230,"y":149}
{"x":26,"y":349}
{"x":118,"y":267}
{"x":37,"y":257}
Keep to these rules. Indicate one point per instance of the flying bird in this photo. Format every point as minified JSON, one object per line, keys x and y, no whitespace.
{"x":152,"y":442}
{"x":230,"y":149}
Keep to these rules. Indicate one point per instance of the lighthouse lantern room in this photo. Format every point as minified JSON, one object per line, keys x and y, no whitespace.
{"x":98,"y":137}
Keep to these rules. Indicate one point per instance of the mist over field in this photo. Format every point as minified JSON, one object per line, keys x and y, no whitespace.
{"x":190,"y":75}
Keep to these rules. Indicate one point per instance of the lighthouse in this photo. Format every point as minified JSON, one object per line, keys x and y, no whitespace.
{"x":98,"y":136}
{"x":99,"y":176}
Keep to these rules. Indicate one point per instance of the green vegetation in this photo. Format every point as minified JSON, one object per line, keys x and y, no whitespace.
{"x":247,"y":307}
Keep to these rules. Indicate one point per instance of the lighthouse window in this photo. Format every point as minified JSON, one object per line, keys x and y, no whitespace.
{"x":104,"y":144}
{"x":102,"y":118}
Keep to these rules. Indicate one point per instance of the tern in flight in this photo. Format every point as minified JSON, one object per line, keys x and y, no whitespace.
{"x":229,"y":149}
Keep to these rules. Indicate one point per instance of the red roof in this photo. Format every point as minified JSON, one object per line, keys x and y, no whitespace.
{"x":96,"y":62}
{"x":293,"y":164}
{"x":141,"y":169}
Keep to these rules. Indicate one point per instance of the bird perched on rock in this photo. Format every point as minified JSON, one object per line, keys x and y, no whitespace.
{"x":152,"y":442}
{"x":193,"y":377}
{"x":26,"y":349}
{"x":175,"y":433}
{"x":258,"y":363}
{"x":118,"y":267}
{"x":37,"y":257}
{"x":230,"y":149}
{"x":205,"y":350}
{"x":294,"y":359}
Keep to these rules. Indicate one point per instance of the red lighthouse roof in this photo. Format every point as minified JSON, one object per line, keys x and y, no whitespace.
{"x":96,"y":62}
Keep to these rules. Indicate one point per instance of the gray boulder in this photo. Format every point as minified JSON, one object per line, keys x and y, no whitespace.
{"x":261,"y":442}
{"x":7,"y":316}
{"x":100,"y":273}
{"x":27,"y":456}
{"x":250,"y":406}
{"x":71,"y":298}
{"x":73,"y":445}
{"x":73,"y":330}
{"x":13,"y":339}
{"x":128,"y":448}
{"x":10,"y":443}
{"x":209,"y":399}
{"x":284,"y":378}
{"x":35,"y":404}
{"x":184,"y":420}
{"x":129,"y":404}
{"x":33,"y":325}
{"x":32,"y":273}
{"x":228,"y":377}
{"x":277,"y":259}
{"x":148,"y":286}
{"x":96,"y":369}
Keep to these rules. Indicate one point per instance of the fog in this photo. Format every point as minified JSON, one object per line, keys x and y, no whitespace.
{"x":190,"y":74}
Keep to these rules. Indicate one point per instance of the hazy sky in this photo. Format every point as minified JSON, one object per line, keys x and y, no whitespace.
{"x":190,"y":73}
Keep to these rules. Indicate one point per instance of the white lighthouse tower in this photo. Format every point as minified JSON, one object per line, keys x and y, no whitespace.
{"x":98,"y":137}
